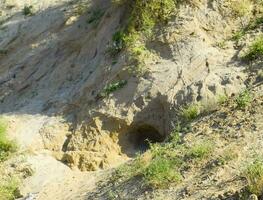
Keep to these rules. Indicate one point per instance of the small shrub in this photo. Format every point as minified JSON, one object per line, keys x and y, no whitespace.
{"x":28,"y":10}
{"x":255,"y":23}
{"x":113,"y":87}
{"x":254,"y":176}
{"x":144,"y":16}
{"x":9,"y":189}
{"x":243,"y":99}
{"x":241,"y":8}
{"x":190,"y":112}
{"x":161,"y":173}
{"x":255,"y":51}
{"x":201,"y":150}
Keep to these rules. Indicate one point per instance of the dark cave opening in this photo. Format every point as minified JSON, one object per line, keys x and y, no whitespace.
{"x":137,"y":140}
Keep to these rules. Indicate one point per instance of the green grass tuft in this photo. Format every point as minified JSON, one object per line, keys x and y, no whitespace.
{"x":9,"y":189}
{"x":255,"y":51}
{"x":254,"y":176}
{"x":190,"y":112}
{"x":201,"y":150}
{"x":113,"y":87}
{"x":161,"y":173}
{"x":244,"y":99}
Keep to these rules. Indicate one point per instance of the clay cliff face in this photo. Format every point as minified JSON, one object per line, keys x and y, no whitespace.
{"x":55,"y":65}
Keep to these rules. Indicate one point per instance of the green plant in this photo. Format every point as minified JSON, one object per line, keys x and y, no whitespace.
{"x":9,"y":189}
{"x":190,"y":112}
{"x":113,"y":87}
{"x":254,"y":176}
{"x":96,"y":15}
{"x":243,"y":99}
{"x":161,"y":173}
{"x":7,"y":147}
{"x":112,"y":195}
{"x":255,"y":23}
{"x":238,"y":35}
{"x":255,"y":51}
{"x":118,"y":43}
{"x":200,"y":150}
{"x":222,"y":99}
{"x":144,"y":16}
{"x":28,"y":10}
{"x":222,"y":44}
{"x":241,"y":8}
{"x":132,"y":169}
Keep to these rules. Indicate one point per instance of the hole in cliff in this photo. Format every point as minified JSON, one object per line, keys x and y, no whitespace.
{"x":137,"y":140}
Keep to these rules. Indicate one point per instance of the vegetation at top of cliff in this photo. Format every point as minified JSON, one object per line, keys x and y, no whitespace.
{"x":144,"y":16}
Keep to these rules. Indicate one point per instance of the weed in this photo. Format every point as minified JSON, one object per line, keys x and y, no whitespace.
{"x":144,"y":15}
{"x":161,"y":173}
{"x":255,"y":23}
{"x":243,"y":99}
{"x":96,"y":15}
{"x":255,"y":51}
{"x":28,"y":10}
{"x":238,"y":35}
{"x":112,"y":195}
{"x":118,"y":43}
{"x":132,"y":169}
{"x":161,"y":166}
{"x":254,"y":176}
{"x":7,"y":147}
{"x":241,"y":8}
{"x":9,"y":189}
{"x":113,"y":87}
{"x":190,"y":112}
{"x":222,"y":99}
{"x":222,"y":44}
{"x":201,"y":150}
